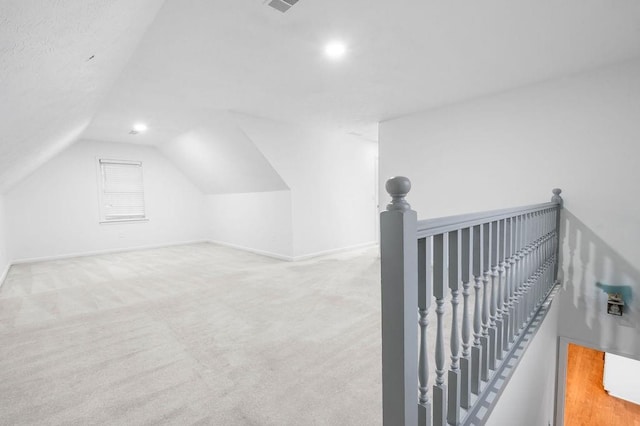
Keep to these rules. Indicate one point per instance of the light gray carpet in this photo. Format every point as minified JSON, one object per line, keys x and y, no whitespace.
{"x":196,"y":334}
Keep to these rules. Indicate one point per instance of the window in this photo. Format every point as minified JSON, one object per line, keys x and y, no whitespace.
{"x":121,"y":191}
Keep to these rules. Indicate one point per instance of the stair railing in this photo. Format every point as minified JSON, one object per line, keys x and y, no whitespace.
{"x":504,"y":263}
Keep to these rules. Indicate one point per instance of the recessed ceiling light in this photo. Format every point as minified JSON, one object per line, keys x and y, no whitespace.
{"x":140,"y":127}
{"x":335,"y":49}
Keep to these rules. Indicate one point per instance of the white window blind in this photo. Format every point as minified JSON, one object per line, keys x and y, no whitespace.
{"x":122,"y":191}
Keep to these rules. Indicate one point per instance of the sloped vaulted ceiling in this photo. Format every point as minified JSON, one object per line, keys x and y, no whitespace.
{"x":243,"y":56}
{"x":57,"y":61}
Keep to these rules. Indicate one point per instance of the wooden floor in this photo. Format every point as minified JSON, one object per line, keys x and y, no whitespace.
{"x":586,"y":402}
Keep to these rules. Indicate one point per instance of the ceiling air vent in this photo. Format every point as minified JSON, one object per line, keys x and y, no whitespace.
{"x":282,"y":5}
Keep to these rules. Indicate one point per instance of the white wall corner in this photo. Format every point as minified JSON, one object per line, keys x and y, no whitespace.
{"x":3,"y":275}
{"x":336,"y":250}
{"x":253,"y":250}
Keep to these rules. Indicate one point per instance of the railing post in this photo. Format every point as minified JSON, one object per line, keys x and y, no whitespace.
{"x":556,"y":198}
{"x":453,"y":400}
{"x":508,"y":276}
{"x":439,"y":388}
{"x":484,"y":339}
{"x":399,"y":293}
{"x":493,"y":298}
{"x":476,"y":349}
{"x":501,"y":290}
{"x":517,"y":274}
{"x":513,"y":280}
{"x":425,"y":293}
{"x":465,"y":361}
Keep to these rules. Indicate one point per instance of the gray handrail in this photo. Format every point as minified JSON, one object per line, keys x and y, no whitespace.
{"x":439,"y":225}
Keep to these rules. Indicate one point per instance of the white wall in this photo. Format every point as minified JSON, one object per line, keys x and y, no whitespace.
{"x":332,"y":179}
{"x":593,"y":267}
{"x":579,"y":133}
{"x":330,"y":206}
{"x":528,"y":399}
{"x":256,"y":221}
{"x":4,"y":257}
{"x":55,"y":211}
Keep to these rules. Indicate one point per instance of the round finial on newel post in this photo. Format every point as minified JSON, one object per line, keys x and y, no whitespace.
{"x":556,"y":196}
{"x":398,"y":187}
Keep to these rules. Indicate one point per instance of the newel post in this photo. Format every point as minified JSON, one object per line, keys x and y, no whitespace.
{"x":556,"y":198}
{"x":399,"y":273}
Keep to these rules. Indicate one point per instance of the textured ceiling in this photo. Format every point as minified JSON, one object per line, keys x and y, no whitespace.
{"x":57,"y":61}
{"x":200,"y":57}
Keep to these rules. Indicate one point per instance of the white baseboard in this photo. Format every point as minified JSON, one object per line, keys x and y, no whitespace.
{"x":252,"y":250}
{"x":334,"y":251}
{"x":99,"y":252}
{"x":633,"y":401}
{"x":4,"y":274}
{"x":180,"y":243}
{"x":295,"y":258}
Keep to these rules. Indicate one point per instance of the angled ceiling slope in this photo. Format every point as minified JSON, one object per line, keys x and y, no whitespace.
{"x":57,"y":61}
{"x":220,"y":158}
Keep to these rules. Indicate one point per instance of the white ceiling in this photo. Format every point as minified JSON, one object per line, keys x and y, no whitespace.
{"x":200,"y":57}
